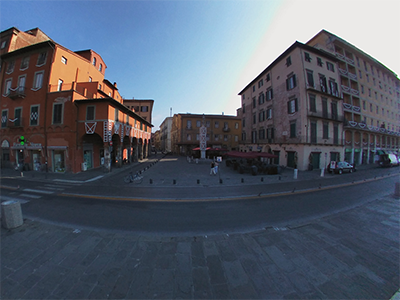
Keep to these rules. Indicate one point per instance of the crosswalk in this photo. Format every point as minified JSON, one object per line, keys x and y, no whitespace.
{"x":26,"y":195}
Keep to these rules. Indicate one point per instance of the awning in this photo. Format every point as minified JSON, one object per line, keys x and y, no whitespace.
{"x":198,"y":148}
{"x":251,"y":154}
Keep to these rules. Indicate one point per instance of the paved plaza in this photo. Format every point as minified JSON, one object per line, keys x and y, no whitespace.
{"x":348,"y":255}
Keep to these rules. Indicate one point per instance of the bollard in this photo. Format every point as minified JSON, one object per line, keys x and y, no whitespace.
{"x":262,"y":179}
{"x":198,"y":181}
{"x":242,"y":180}
{"x":322,"y":172}
{"x":174,"y":181}
{"x":11,"y":214}
{"x":397,"y":190}
{"x":151,"y":181}
{"x":220,"y":181}
{"x":295,"y":173}
{"x":279,"y":178}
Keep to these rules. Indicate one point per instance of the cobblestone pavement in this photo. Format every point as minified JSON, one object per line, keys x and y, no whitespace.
{"x":354,"y":254}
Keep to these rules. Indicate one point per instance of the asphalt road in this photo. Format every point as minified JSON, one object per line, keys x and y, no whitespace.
{"x":186,"y":218}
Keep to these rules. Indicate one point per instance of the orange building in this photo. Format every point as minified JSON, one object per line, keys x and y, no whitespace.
{"x":70,"y":116}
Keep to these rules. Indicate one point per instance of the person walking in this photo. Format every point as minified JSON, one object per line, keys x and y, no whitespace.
{"x":216,"y":168}
{"x":212,"y":170}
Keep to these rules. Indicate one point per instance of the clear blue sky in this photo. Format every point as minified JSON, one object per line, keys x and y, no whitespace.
{"x":196,"y":56}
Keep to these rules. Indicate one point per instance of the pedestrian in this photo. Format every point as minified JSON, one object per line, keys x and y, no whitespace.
{"x":216,"y":168}
{"x":212,"y":170}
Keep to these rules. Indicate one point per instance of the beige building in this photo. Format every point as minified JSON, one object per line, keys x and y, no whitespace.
{"x":371,"y":100}
{"x":165,"y":135}
{"x":294,"y":109}
{"x":223,"y":132}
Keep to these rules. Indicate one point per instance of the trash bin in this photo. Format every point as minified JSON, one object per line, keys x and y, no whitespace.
{"x":11,"y":214}
{"x":84,"y":166}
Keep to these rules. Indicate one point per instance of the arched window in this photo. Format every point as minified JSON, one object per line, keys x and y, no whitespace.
{"x":94,"y":61}
{"x":100,"y":67}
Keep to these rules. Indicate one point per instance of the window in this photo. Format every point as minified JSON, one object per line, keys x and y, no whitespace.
{"x":268,"y":77}
{"x":261,"y":116}
{"x":254,"y":119}
{"x":360,"y":74}
{"x":198,"y":123}
{"x":41,"y":59}
{"x":188,"y":137}
{"x":307,"y":57}
{"x":370,"y":107}
{"x":270,"y":133}
{"x":236,"y":125}
{"x":216,"y":124}
{"x":269,"y":94}
{"x":24,"y":63}
{"x":293,"y":130}
{"x":243,"y":136}
{"x":244,"y":108}
{"x":254,"y":136}
{"x":365,"y":66}
{"x":322,"y":82}
{"x":310,"y":78}
{"x":324,"y":107}
{"x":254,"y":102}
{"x":90,"y":79}
{"x":7,"y":86}
{"x":254,"y":88}
{"x":34,"y":116}
{"x":208,"y":124}
{"x":260,"y":83}
{"x":144,"y":108}
{"x":292,"y":106}
{"x":367,"y":77}
{"x":330,"y":66}
{"x":57,"y":113}
{"x":291,"y":82}
{"x":319,"y":62}
{"x":288,"y":61}
{"x":243,"y":122}
{"x":90,"y":113}
{"x":38,"y":80}
{"x":261,"y":98}
{"x":362,"y":89}
{"x":10,"y":67}
{"x":269,"y":113}
{"x":189,"y":124}
{"x":4,"y":118}
{"x":334,"y":91}
{"x":313,"y":103}
{"x":94,"y":61}
{"x":63,"y":60}
{"x":101,"y":67}
{"x":21,"y":84}
{"x":325,"y":131}
{"x":3,"y":44}
{"x":261,"y":134}
{"x":17,"y":116}
{"x":59,"y":86}
{"x":313,"y":132}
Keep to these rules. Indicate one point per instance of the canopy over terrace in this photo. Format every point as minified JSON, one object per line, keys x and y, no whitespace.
{"x":251,"y":154}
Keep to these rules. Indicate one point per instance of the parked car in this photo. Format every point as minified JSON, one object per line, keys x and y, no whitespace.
{"x":388,"y":160}
{"x":340,"y":167}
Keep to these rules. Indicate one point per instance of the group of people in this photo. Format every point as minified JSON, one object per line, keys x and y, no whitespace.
{"x":214,"y":168}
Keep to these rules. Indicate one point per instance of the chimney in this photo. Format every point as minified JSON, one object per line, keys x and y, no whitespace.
{"x":115,"y":84}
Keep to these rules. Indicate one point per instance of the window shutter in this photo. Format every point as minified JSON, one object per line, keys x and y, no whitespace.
{"x":296,"y":105}
{"x":294,"y":80}
{"x":287,"y":84}
{"x":288,"y":107}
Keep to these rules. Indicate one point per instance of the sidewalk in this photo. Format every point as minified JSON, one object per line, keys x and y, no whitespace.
{"x":351,"y":255}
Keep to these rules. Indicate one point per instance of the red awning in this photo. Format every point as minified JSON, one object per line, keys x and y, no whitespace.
{"x":251,"y":154}
{"x":198,"y":148}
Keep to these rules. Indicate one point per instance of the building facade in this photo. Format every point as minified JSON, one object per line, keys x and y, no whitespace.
{"x":165,"y":135}
{"x":371,"y":100}
{"x":294,"y":109}
{"x":223,"y":132}
{"x":143,"y":108}
{"x":70,"y":116}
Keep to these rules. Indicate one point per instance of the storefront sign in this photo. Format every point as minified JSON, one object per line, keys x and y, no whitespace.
{"x":33,"y":146}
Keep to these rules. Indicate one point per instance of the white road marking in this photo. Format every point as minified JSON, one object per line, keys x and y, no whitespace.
{"x":38,"y":191}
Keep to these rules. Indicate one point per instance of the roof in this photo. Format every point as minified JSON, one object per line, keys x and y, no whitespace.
{"x":208,"y":115}
{"x":284,"y":54}
{"x":323,"y":31}
{"x":115,"y":103}
{"x":28,"y":48}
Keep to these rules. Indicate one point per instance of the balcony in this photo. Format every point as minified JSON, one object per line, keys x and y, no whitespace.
{"x":16,"y":93}
{"x":349,"y":107}
{"x":324,"y":89}
{"x":362,"y":125}
{"x":325,"y":115}
{"x":226,"y":129}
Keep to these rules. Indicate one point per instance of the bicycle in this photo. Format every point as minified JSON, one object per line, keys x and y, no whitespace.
{"x":137,"y":178}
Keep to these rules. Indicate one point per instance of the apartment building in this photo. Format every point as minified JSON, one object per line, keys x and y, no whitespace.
{"x":58,"y":112}
{"x":371,"y":100}
{"x":294,"y":109}
{"x":142,"y":107}
{"x":165,"y":135}
{"x":222,"y":131}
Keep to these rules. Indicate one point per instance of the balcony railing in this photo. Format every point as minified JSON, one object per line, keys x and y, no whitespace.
{"x":15,"y":123}
{"x":317,"y":140}
{"x":362,"y":125}
{"x":325,"y":115}
{"x":349,"y":107}
{"x":15,"y":93}
{"x":325,"y":89}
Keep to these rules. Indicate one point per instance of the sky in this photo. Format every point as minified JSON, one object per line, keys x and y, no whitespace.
{"x":195,"y":56}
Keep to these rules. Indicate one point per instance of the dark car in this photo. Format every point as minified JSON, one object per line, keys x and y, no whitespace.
{"x":340,"y":167}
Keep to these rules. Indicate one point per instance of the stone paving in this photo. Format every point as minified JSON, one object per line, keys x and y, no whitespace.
{"x":354,"y":255}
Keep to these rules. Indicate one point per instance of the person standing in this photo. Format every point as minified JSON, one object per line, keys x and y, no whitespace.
{"x":216,"y":168}
{"x":212,"y":170}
